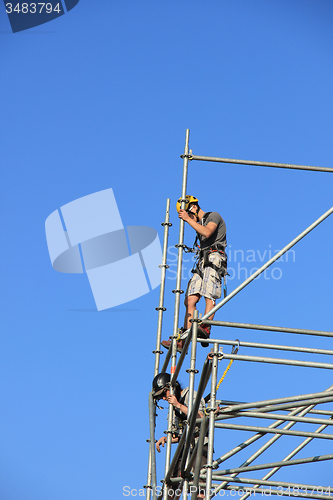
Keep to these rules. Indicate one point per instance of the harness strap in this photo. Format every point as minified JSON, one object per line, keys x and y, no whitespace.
{"x":180,"y":414}
{"x":221,"y":270}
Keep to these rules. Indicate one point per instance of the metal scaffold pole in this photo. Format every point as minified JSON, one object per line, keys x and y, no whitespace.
{"x":212,"y":407}
{"x":191,"y":371}
{"x":161,"y":307}
{"x":260,"y":163}
{"x":152,"y":474}
{"x":152,"y":444}
{"x":249,"y":326}
{"x":178,"y":291}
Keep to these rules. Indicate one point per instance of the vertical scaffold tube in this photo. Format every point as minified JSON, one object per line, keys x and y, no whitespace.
{"x":192,"y":371}
{"x":161,"y":307}
{"x":148,"y":486}
{"x":205,"y":374}
{"x":200,"y":445}
{"x":177,"y":292}
{"x":160,"y":310}
{"x":211,"y":423}
{"x":152,"y":446}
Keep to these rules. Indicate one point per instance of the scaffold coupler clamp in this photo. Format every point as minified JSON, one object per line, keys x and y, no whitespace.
{"x":235,"y":348}
{"x":189,"y":156}
{"x":172,"y":337}
{"x":163,"y":265}
{"x":207,"y":466}
{"x":209,"y":409}
{"x":158,"y":351}
{"x":192,"y":370}
{"x":218,"y":354}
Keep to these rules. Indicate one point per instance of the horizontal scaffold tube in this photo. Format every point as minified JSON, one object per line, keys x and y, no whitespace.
{"x":279,"y":361}
{"x":254,"y":428}
{"x":302,"y":397}
{"x":283,"y":484}
{"x":260,"y":163}
{"x":321,"y":412}
{"x":303,"y":493}
{"x":271,"y":465}
{"x":281,"y":493}
{"x":269,"y":328}
{"x":276,"y":416}
{"x":293,"y":406}
{"x":257,"y":345}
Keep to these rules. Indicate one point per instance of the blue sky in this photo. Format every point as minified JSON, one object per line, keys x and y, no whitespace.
{"x":101,"y":98}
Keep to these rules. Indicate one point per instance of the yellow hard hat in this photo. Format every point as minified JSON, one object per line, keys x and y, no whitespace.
{"x":189,"y":199}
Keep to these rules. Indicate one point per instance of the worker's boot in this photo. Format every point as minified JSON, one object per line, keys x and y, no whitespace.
{"x":204,"y":333}
{"x":167,"y":343}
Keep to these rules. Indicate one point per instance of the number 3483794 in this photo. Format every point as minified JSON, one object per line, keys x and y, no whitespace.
{"x":32,"y":8}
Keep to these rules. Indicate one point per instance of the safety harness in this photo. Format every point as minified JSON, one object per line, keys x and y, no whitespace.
{"x":179,"y":413}
{"x":182,"y":417}
{"x":204,"y":254}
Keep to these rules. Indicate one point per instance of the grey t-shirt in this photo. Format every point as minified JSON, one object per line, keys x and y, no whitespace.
{"x":219,"y":235}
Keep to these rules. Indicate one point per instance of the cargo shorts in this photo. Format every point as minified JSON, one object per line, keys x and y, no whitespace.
{"x":209,"y":285}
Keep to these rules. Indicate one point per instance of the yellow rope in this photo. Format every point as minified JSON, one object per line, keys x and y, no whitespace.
{"x":224,"y":374}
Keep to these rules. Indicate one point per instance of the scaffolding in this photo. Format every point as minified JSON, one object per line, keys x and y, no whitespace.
{"x":285,"y":412}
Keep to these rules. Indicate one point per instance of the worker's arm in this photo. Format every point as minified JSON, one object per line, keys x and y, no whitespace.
{"x":163,"y":440}
{"x":205,"y":231}
{"x":174,"y":401}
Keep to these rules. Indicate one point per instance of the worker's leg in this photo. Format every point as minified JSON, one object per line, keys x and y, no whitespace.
{"x":209,"y":306}
{"x":211,"y":283}
{"x":190,"y":304}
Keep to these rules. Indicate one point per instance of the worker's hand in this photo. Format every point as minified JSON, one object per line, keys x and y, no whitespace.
{"x":160,"y":442}
{"x":182,"y":214}
{"x":173,"y":401}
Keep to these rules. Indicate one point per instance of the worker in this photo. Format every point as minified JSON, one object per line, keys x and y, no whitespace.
{"x":211,"y":267}
{"x":180,"y":402}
